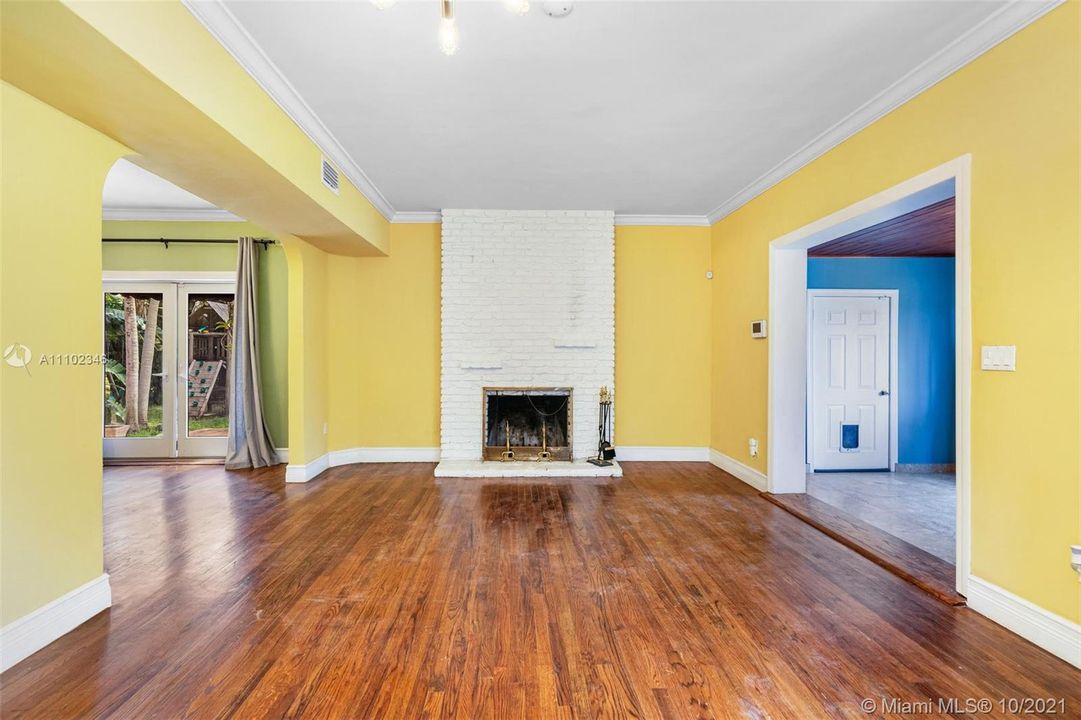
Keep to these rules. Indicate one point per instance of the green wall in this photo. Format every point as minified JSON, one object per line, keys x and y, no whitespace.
{"x":189,"y":257}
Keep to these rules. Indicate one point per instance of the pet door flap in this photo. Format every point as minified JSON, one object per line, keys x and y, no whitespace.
{"x":850,"y":437}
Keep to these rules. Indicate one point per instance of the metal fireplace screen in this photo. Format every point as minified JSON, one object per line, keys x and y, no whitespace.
{"x":536,"y":420}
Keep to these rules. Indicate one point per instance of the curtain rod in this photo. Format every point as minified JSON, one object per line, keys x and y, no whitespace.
{"x":261,"y":241}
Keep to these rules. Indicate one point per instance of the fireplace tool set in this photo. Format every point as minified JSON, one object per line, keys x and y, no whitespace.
{"x":606,"y":452}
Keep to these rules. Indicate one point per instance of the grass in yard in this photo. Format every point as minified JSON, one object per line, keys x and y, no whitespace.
{"x":208,"y":421}
{"x":153,"y":423}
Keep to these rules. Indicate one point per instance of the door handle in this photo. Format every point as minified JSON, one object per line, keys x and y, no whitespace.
{"x":883,"y":392}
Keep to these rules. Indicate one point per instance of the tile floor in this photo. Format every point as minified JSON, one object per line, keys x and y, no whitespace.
{"x":919,"y":508}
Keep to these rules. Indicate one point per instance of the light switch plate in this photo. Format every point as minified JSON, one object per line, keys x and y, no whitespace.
{"x":998,"y":357}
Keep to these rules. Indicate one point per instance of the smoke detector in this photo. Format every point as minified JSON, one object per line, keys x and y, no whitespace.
{"x":557,"y":9}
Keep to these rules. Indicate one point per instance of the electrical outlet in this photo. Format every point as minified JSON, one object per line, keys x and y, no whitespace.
{"x":324,"y":428}
{"x":752,"y":447}
{"x":1075,"y":559}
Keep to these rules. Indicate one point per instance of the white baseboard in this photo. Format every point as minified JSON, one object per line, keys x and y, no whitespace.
{"x":732,"y":466}
{"x":304,"y":473}
{"x":383,"y":455}
{"x":23,"y":637}
{"x":662,"y":453}
{"x":283,"y":455}
{"x":1053,"y":633}
{"x":308,"y":471}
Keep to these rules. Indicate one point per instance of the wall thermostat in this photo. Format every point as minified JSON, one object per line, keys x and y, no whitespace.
{"x":758,"y":328}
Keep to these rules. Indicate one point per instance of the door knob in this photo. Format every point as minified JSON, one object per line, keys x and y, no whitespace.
{"x":883,"y":392}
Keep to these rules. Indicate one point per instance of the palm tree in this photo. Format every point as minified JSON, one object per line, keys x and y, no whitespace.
{"x":131,"y":363}
{"x":146,"y":362}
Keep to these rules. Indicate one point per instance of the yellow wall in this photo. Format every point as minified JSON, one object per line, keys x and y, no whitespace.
{"x":384,"y":366}
{"x":308,"y":333}
{"x":50,"y":301}
{"x":271,"y":288}
{"x":384,"y":351}
{"x":662,"y":336}
{"x":1017,"y":110}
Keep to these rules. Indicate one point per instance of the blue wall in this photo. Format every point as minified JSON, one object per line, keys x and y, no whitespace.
{"x":926,"y":339}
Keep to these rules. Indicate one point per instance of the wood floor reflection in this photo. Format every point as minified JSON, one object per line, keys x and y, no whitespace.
{"x":377,"y":591}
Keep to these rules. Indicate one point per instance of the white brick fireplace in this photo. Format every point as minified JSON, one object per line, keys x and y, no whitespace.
{"x":528,"y":301}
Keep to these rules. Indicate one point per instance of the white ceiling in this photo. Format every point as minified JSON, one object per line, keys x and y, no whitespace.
{"x":668,"y":108}
{"x":132,"y":193}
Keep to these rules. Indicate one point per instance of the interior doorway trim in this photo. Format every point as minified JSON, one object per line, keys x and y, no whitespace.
{"x":895,"y":397}
{"x":787,"y":382}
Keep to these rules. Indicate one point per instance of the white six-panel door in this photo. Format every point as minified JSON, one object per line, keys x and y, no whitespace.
{"x":849,"y":389}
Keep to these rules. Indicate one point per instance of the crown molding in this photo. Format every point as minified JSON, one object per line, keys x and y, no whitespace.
{"x":664,"y":220}
{"x":169,"y":214}
{"x":406,"y":218}
{"x":227,"y":30}
{"x":993,"y":30}
{"x":658,"y":220}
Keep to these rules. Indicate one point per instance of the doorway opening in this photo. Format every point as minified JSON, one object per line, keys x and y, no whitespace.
{"x":167,"y":300}
{"x":164,"y":247}
{"x":869,"y":377}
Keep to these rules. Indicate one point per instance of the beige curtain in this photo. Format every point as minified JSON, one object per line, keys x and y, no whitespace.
{"x":250,"y":444}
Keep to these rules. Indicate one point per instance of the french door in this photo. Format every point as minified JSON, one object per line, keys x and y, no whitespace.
{"x":166,"y":375}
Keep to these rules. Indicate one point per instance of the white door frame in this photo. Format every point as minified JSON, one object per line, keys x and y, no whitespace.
{"x":787,"y":394}
{"x":895,"y":398}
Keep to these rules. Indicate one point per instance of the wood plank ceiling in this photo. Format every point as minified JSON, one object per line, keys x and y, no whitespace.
{"x":927,"y":232}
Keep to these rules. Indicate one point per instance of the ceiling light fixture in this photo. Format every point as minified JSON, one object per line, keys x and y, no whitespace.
{"x":448,"y":29}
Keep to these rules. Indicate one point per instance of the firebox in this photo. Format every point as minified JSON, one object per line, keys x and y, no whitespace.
{"x":526,"y":423}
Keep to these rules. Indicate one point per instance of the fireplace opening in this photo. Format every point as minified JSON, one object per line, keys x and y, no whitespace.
{"x":537,"y":419}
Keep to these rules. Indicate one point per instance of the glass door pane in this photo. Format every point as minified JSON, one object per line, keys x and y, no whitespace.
{"x":138,"y":392}
{"x":207,"y":344}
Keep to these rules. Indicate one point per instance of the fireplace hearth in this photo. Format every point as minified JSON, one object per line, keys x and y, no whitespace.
{"x":522,"y":424}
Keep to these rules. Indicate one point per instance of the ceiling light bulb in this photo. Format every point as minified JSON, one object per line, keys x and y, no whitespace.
{"x":448,"y":36}
{"x":518,"y":7}
{"x":383,"y":4}
{"x":448,"y":30}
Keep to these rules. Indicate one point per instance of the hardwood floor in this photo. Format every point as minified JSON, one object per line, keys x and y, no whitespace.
{"x":378,"y":592}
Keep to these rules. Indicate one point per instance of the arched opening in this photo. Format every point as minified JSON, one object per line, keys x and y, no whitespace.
{"x":168,"y":282}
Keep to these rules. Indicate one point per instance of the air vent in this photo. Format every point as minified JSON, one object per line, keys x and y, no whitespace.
{"x":330,"y":176}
